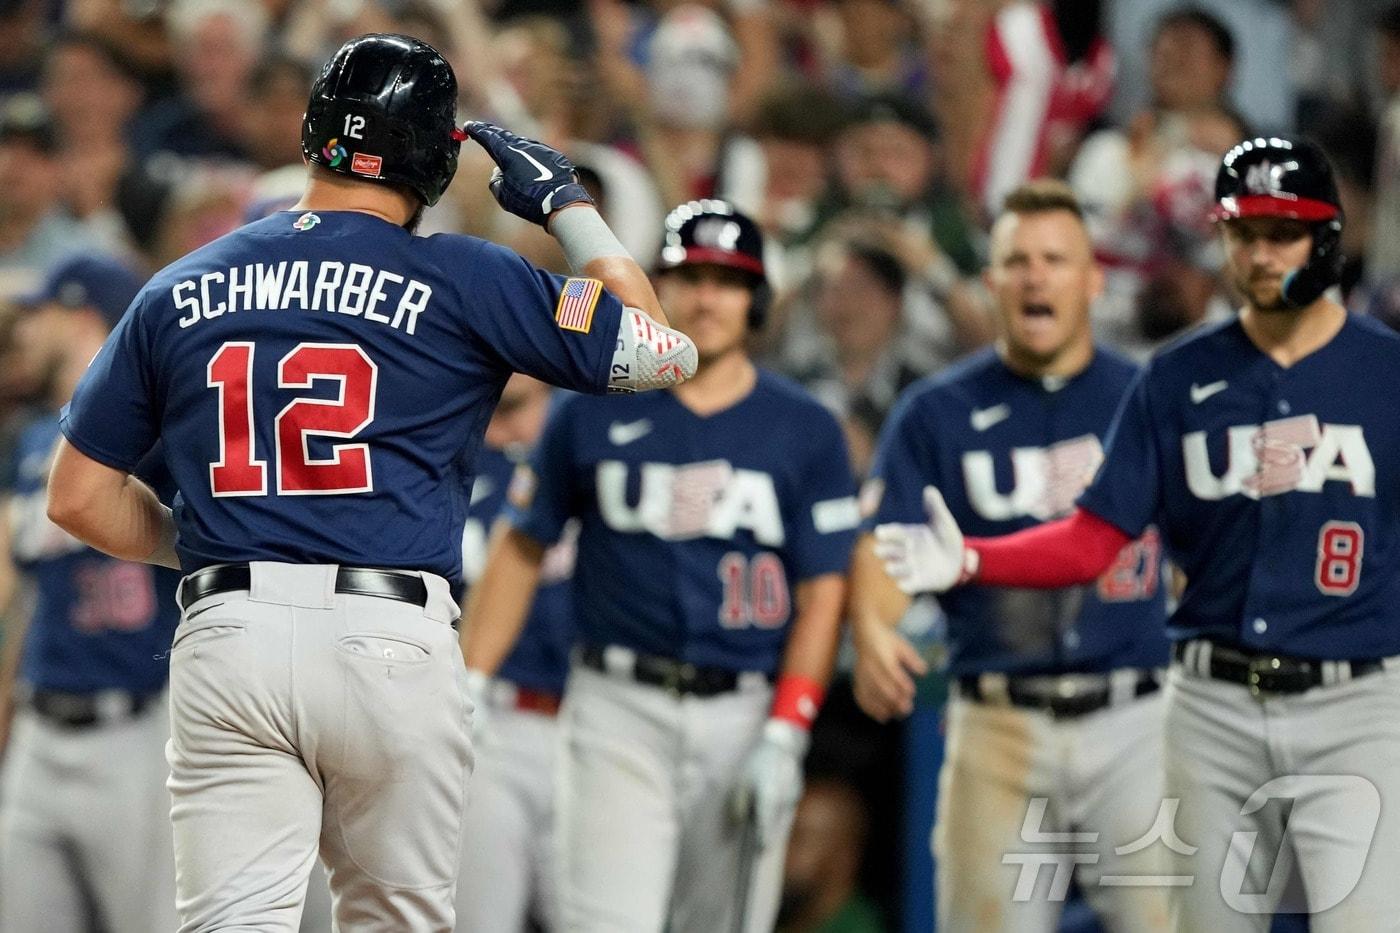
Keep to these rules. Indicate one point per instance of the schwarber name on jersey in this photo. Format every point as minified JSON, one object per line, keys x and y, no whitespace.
{"x":1009,"y":452}
{"x":694,"y":530}
{"x":97,"y":623}
{"x":1274,"y":488}
{"x":308,"y":357}
{"x":540,"y":658}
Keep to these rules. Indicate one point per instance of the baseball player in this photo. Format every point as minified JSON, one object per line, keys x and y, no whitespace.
{"x":512,"y":879}
{"x":715,"y":528}
{"x":1056,"y":699}
{"x":84,"y":813}
{"x":1265,"y":450}
{"x":321,"y":380}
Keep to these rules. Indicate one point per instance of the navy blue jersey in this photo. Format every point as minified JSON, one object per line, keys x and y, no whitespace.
{"x":1275,"y":488}
{"x":97,"y":622}
{"x":1009,"y":452}
{"x":540,"y":659}
{"x":322,"y":383}
{"x":694,"y":530}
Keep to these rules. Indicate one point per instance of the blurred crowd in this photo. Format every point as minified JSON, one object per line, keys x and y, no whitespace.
{"x":872,"y":140}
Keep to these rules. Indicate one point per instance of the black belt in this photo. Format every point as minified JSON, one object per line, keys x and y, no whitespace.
{"x":78,"y":710}
{"x":1045,"y":693}
{"x":680,"y":677}
{"x":1267,"y":673}
{"x":402,"y":585}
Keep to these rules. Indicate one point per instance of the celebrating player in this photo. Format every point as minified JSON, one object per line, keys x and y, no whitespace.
{"x":716,"y":526}
{"x":1012,"y":435}
{"x":84,"y":813}
{"x":321,"y":380}
{"x":1265,"y":449}
{"x":508,"y":872}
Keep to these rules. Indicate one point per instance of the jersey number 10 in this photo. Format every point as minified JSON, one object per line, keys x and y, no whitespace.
{"x":238,"y":472}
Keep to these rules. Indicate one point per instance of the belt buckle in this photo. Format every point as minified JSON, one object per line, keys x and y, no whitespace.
{"x":1259,"y":669}
{"x":678,"y":676}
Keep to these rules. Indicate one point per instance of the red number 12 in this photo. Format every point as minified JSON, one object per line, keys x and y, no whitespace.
{"x":238,"y":472}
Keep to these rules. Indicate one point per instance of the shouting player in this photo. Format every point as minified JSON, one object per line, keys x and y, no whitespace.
{"x":1012,"y":436}
{"x":84,"y":813}
{"x":1266,"y":450}
{"x":321,"y":380}
{"x":513,"y":877}
{"x":716,"y":526}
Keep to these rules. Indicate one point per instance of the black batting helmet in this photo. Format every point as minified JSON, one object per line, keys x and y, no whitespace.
{"x":1279,"y":176}
{"x":384,"y":109}
{"x":713,"y":232}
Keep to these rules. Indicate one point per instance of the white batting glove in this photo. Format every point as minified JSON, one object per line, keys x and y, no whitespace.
{"x":771,"y":782}
{"x":929,"y":557}
{"x":478,"y":686}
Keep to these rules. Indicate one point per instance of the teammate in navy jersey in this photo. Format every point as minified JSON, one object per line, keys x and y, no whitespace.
{"x":505,"y":884}
{"x":84,"y":813}
{"x":716,"y":522}
{"x":1012,"y":436}
{"x":1266,"y":450}
{"x":321,"y":380}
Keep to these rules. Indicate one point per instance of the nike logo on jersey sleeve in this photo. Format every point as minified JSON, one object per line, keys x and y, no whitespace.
{"x":1199,"y":393}
{"x":622,"y":433}
{"x":984,"y":418}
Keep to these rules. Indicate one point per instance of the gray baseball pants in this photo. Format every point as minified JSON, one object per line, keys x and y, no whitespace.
{"x":646,"y":842}
{"x":302,"y":718}
{"x":1024,"y":799}
{"x":1276,"y":786}
{"x":508,"y":868}
{"x":85,"y":826}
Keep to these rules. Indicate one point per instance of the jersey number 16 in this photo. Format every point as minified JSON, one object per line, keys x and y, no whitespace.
{"x":238,"y":472}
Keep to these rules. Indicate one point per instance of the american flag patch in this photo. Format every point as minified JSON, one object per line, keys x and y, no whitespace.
{"x":576,"y":303}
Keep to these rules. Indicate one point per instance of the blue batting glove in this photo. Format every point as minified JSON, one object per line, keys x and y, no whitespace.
{"x":531,"y":180}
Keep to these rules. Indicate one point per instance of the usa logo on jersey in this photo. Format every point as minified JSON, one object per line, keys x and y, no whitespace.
{"x":1281,"y":456}
{"x":692,"y":500}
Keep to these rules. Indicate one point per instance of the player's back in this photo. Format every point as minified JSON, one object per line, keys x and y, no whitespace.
{"x":309,"y":358}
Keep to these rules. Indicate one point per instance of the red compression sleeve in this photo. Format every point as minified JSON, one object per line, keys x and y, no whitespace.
{"x":1067,"y":552}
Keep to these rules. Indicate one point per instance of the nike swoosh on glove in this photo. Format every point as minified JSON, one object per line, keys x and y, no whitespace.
{"x":771,"y":782}
{"x":531,"y":180}
{"x":930,"y":557}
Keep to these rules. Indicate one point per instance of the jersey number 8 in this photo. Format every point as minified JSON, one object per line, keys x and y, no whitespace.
{"x":239,"y":473}
{"x":1339,"y":548}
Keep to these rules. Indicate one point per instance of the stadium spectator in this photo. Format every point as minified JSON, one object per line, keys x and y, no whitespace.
{"x":21,"y":45}
{"x":1052,"y":72}
{"x":35,"y":229}
{"x":1147,"y":188}
{"x":889,"y":160}
{"x":1383,"y":259}
{"x":217,"y":44}
{"x":823,"y":864}
{"x":277,"y":93}
{"x":94,"y":93}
